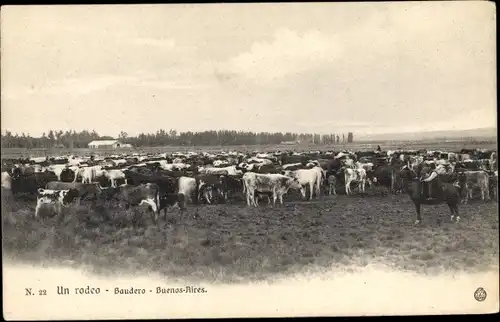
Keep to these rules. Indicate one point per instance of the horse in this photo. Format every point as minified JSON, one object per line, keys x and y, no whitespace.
{"x":449,"y":193}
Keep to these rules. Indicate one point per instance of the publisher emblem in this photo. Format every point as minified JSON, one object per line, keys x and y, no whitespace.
{"x":480,"y":294}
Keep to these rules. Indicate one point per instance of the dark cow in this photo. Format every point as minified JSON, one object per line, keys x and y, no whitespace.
{"x":171,"y":199}
{"x":231,"y":185}
{"x":206,"y":184}
{"x":266,"y":168}
{"x":166,"y":184}
{"x":148,"y":194}
{"x":31,"y":183}
{"x":385,"y":176}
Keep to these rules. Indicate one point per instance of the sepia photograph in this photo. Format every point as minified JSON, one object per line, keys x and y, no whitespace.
{"x":249,"y":160}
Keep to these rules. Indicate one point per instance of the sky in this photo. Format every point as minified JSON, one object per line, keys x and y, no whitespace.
{"x":300,"y":67}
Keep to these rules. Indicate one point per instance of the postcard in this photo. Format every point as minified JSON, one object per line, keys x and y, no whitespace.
{"x":249,"y":160}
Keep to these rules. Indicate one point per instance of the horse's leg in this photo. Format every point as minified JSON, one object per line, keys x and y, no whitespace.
{"x":419,"y":218}
{"x":457,"y":216}
{"x":452,"y":211}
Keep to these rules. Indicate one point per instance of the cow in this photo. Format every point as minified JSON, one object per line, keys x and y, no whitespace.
{"x":148,"y":194}
{"x":88,"y":174}
{"x":479,"y":179}
{"x":231,"y":170}
{"x":84,"y":189}
{"x":187,"y":188}
{"x":31,"y":183}
{"x":312,"y":177}
{"x":171,"y":200}
{"x":231,"y":185}
{"x":293,"y":166}
{"x":113,"y":176}
{"x":356,"y":175}
{"x":167,"y":184}
{"x":262,"y":195}
{"x":58,"y":169}
{"x":6,"y":180}
{"x":276,"y":183}
{"x":206,"y":183}
{"x":57,"y":198}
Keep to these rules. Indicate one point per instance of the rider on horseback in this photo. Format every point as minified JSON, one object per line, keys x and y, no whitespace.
{"x":429,"y":174}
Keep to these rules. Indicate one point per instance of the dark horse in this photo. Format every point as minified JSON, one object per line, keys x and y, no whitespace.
{"x":445,"y":193}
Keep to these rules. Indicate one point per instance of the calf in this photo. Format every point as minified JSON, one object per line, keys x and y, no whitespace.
{"x":356,"y":175}
{"x":205,"y":184}
{"x":57,"y":198}
{"x":171,"y":200}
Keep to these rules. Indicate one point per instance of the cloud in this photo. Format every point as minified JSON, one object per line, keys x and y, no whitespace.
{"x":74,"y":86}
{"x":288,"y":53}
{"x":155,"y":43}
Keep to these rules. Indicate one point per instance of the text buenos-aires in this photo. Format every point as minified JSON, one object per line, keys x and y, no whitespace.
{"x":180,"y":290}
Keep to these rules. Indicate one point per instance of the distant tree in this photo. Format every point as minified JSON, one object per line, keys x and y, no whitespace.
{"x":350,"y":137}
{"x":123,"y":135}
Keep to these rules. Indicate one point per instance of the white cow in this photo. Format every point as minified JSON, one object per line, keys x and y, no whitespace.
{"x":259,"y":160}
{"x":231,"y":170}
{"x":311,"y":177}
{"x":113,"y":175}
{"x":367,"y":166}
{"x":218,"y":163}
{"x":89,"y":174}
{"x":6,"y":180}
{"x":187,"y":186}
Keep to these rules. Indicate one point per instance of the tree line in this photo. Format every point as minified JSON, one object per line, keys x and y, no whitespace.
{"x":73,"y":139}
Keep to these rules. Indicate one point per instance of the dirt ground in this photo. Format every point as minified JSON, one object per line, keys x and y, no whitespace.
{"x":233,"y":242}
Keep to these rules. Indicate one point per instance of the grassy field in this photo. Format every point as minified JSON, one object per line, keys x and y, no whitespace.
{"x":236,"y":243}
{"x":448,"y":145}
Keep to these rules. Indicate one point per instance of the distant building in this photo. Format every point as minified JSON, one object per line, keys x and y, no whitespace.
{"x":290,"y":142}
{"x":113,"y":144}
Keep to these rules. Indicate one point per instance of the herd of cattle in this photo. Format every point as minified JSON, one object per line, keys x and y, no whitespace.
{"x":163,"y":180}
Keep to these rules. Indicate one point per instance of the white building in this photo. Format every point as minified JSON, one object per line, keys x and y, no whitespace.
{"x":107,"y":144}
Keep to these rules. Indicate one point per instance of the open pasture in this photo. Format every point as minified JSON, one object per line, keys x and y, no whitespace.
{"x":233,"y":242}
{"x":445,"y":145}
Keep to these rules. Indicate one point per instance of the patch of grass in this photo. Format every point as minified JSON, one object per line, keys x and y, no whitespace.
{"x":232,"y":243}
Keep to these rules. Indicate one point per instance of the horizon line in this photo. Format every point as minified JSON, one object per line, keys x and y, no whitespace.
{"x":3,"y":132}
